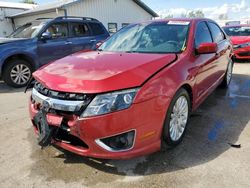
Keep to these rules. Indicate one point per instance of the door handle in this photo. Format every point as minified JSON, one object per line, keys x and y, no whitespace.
{"x":94,"y":40}
{"x":68,"y":43}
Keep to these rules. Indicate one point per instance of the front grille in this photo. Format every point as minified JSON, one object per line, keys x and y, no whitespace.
{"x":62,"y":95}
{"x":61,"y":102}
{"x":244,"y":54}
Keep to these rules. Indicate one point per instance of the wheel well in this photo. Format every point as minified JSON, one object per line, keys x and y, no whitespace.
{"x":19,"y":56}
{"x":188,"y":88}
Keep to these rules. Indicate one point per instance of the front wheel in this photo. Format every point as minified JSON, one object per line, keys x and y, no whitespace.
{"x":176,"y":119}
{"x":17,"y":73}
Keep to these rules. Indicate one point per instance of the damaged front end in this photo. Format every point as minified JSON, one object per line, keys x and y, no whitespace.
{"x":55,"y":115}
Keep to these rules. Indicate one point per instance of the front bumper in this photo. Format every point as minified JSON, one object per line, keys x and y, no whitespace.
{"x":145,"y":118}
{"x":242,"y":53}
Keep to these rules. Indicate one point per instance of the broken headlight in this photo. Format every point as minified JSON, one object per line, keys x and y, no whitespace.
{"x":110,"y":102}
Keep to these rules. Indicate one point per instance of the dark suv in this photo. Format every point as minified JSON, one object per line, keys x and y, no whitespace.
{"x":44,"y":40}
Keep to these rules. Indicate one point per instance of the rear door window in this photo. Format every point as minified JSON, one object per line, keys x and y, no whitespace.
{"x":217,"y":33}
{"x":79,"y":30}
{"x":97,"y":28}
{"x":202,"y":34}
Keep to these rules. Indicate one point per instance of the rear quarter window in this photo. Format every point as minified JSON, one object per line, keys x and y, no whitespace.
{"x":217,"y":33}
{"x":97,"y":28}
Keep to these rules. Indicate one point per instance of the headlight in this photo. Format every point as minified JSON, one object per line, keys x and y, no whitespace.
{"x":110,"y":102}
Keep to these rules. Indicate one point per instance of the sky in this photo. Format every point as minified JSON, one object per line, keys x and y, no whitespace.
{"x":234,"y":9}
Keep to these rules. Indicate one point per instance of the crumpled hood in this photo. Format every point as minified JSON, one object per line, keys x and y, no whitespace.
{"x":97,"y":72}
{"x":8,"y":40}
{"x":236,"y":40}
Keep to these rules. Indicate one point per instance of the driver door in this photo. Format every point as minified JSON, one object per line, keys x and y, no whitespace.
{"x":58,"y":46}
{"x":206,"y":64}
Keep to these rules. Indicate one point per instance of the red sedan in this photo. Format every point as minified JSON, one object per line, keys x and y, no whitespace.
{"x":240,"y":37}
{"x":134,"y":95}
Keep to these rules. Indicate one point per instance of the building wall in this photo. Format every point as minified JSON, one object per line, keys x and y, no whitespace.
{"x":19,"y":21}
{"x":110,"y":11}
{"x":5,"y":24}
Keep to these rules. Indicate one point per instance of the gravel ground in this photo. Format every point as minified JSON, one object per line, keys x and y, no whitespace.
{"x":204,"y":159}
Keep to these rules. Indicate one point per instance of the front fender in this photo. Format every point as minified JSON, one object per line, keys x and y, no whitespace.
{"x":167,"y":82}
{"x":9,"y":50}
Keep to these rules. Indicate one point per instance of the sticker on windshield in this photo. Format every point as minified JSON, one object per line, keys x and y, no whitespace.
{"x":178,"y":22}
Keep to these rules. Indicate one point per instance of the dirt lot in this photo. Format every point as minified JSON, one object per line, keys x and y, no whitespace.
{"x":204,"y":159}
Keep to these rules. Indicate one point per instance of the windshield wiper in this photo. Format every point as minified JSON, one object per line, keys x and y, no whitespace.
{"x":133,"y":51}
{"x":148,"y":52}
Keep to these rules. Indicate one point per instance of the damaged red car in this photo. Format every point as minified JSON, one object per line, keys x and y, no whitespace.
{"x":134,"y":95}
{"x":240,"y":37}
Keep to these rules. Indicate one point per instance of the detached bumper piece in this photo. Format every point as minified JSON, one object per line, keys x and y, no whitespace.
{"x":50,"y":134}
{"x":45,"y":132}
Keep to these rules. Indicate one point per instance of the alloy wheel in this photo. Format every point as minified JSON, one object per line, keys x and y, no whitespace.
{"x":20,"y":74}
{"x":179,"y":118}
{"x":229,"y":72}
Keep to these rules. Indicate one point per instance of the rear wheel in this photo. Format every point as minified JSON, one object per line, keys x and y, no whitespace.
{"x":176,"y":119}
{"x":228,"y":76}
{"x":17,"y":73}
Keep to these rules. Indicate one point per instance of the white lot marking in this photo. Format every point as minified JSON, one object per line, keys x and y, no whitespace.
{"x":239,"y":96}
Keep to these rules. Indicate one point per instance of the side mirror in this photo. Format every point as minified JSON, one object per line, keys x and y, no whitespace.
{"x":46,"y":36}
{"x":207,"y":48}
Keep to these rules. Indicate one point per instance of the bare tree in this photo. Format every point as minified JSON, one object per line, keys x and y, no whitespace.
{"x":183,"y":15}
{"x":28,"y":1}
{"x":169,"y":16}
{"x":223,"y":17}
{"x":196,"y":14}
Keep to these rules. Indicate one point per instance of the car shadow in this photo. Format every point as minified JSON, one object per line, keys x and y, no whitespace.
{"x":4,"y":88}
{"x":218,"y":122}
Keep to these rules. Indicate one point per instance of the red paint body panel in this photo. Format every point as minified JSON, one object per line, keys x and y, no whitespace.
{"x":159,"y":77}
{"x":239,"y":39}
{"x":238,"y":53}
{"x":97,"y":72}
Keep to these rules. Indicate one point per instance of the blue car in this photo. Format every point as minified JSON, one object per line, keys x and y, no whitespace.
{"x":44,"y":40}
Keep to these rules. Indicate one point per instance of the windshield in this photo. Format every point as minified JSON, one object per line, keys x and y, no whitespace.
{"x":28,"y":30}
{"x":237,"y":31}
{"x":160,"y":37}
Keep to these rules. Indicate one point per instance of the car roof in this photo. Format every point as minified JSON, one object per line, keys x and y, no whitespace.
{"x":180,"y":19}
{"x":237,"y":25}
{"x":68,"y":19}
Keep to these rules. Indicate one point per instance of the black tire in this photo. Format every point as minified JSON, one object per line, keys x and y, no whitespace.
{"x":225,"y":83}
{"x":167,"y":141}
{"x":12,"y":64}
